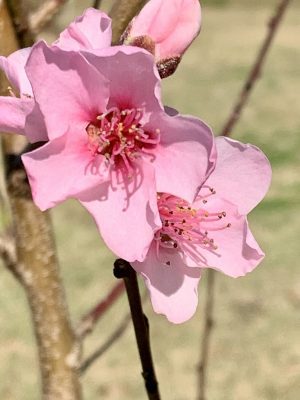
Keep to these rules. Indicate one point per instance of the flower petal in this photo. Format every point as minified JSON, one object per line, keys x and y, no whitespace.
{"x":237,"y":251}
{"x":126,"y":213}
{"x":13,"y":66}
{"x":185,"y":156}
{"x":173,"y":288}
{"x":68,"y":90}
{"x":92,"y":30}
{"x":13,"y":112}
{"x":133,"y":77}
{"x":242,"y":174}
{"x":61,"y":169}
{"x":171,"y":24}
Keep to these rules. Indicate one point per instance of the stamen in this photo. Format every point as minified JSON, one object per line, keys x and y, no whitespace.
{"x":183,"y":223}
{"x":120,"y":137}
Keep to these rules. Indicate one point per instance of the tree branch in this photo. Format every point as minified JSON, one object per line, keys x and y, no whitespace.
{"x":122,"y":13}
{"x":117,"y":334}
{"x":256,"y":69}
{"x":44,"y":14}
{"x":206,"y":336}
{"x":20,"y":22}
{"x":244,"y":95}
{"x":37,"y":265}
{"x":97,"y":4}
{"x":88,"y":322}
{"x":123,"y":270}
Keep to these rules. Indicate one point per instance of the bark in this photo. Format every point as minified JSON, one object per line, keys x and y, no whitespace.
{"x":122,"y":13}
{"x":37,"y":267}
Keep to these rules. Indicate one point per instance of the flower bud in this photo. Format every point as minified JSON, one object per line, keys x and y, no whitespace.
{"x":165,"y":28}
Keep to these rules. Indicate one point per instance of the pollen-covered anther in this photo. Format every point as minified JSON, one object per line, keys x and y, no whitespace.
{"x":182,"y":223}
{"x":120,"y":137}
{"x":11,"y":92}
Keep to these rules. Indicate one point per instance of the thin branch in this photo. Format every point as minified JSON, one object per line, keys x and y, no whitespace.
{"x":256,"y":69}
{"x":97,"y":4}
{"x":44,"y":14}
{"x":88,"y":322}
{"x":123,"y":270}
{"x":254,"y":74}
{"x":122,"y":13}
{"x":206,"y":336}
{"x":19,"y":20}
{"x":117,"y":334}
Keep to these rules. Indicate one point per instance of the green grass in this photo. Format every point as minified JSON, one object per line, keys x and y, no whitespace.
{"x":255,"y":349}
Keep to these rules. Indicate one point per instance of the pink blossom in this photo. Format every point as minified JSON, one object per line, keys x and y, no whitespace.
{"x":166,"y":28}
{"x":13,"y":109}
{"x":90,"y":31}
{"x":111,"y":144}
{"x":211,"y":232}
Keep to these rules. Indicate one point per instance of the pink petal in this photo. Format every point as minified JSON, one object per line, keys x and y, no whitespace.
{"x":126,"y":214}
{"x":185,"y":156}
{"x":171,"y":24}
{"x":13,"y":112}
{"x":173,"y":288}
{"x":237,"y":251}
{"x":242,"y":175}
{"x":92,"y":30}
{"x":62,"y":168}
{"x":133,"y":77}
{"x":35,"y":129}
{"x":68,"y":90}
{"x":13,"y":67}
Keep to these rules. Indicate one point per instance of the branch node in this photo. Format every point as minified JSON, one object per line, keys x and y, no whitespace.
{"x":121,"y":269}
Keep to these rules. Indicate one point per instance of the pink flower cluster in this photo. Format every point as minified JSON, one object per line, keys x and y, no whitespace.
{"x":165,"y":194}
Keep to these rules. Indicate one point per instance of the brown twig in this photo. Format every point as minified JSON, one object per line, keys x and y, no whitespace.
{"x":123,"y":270}
{"x":117,"y":334}
{"x":256,"y":69}
{"x":89,"y":321}
{"x":44,"y":14}
{"x":19,"y":21}
{"x":206,"y":337}
{"x":254,"y":74}
{"x":97,"y":4}
{"x":122,"y":13}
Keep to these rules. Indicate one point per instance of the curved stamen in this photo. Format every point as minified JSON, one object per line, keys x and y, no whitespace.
{"x":183,"y":223}
{"x":120,"y":137}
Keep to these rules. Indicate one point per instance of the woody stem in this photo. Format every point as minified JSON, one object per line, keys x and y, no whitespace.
{"x":123,"y":270}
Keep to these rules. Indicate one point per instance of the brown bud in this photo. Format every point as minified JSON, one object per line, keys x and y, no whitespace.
{"x":167,"y":66}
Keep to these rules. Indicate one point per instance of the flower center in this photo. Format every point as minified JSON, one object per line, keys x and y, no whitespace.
{"x":119,"y":136}
{"x":183,"y":224}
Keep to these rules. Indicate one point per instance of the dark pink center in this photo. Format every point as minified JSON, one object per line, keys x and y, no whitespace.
{"x":181,"y":223}
{"x":120,"y":137}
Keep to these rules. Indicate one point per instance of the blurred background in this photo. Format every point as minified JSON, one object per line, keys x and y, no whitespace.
{"x":255,"y":351}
